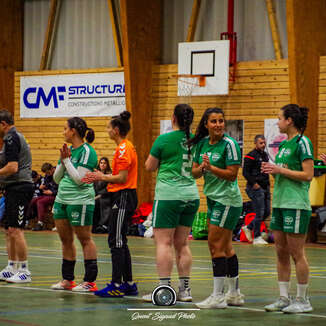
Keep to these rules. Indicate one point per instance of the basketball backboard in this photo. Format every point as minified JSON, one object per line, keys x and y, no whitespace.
{"x":209,"y":59}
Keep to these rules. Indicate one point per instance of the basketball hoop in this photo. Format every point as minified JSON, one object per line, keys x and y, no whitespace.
{"x":188,"y":83}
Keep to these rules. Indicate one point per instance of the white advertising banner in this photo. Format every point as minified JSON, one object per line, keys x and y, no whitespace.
{"x":273,"y":137}
{"x":81,"y":95}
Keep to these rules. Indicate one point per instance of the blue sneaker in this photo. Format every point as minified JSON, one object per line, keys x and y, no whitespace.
{"x":128,"y":289}
{"x":111,"y":291}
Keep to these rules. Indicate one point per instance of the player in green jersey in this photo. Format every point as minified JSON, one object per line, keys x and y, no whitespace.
{"x":293,"y":170}
{"x":218,"y":159}
{"x":74,"y":205}
{"x":176,"y":200}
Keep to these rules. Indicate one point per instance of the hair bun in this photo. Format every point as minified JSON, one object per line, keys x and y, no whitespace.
{"x":125,"y":115}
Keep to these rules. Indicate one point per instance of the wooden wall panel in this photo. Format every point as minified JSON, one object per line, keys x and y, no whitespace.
{"x":45,"y":134}
{"x":306,"y":43}
{"x":261,"y":88}
{"x":259,"y":91}
{"x":11,"y":40}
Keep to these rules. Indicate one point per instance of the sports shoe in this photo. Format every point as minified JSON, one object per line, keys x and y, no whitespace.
{"x":147,"y":297}
{"x":213,"y":301}
{"x":64,"y":285}
{"x":184,"y":295}
{"x":128,"y":289}
{"x":298,"y":305}
{"x":110,"y":291}
{"x":259,"y":241}
{"x":85,"y":287}
{"x":247,"y":232}
{"x":22,"y":276}
{"x":279,"y":304}
{"x":38,"y":227}
{"x":234,"y":299}
{"x":7,"y":272}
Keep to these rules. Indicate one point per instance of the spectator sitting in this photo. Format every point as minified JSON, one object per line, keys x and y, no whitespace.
{"x":31,"y":211}
{"x":102,"y":199}
{"x":37,"y":181}
{"x":49,"y":190}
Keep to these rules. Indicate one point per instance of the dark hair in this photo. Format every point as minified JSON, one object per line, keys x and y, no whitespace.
{"x":258,"y":137}
{"x":122,"y":122}
{"x":299,"y":116}
{"x":184,"y":115}
{"x":202,"y":131}
{"x":34,"y":174}
{"x":108,"y":168}
{"x":46,"y":167}
{"x":81,"y":127}
{"x":6,"y":116}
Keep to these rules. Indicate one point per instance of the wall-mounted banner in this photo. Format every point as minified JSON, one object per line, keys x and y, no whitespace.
{"x":273,"y":137}
{"x":83,"y":95}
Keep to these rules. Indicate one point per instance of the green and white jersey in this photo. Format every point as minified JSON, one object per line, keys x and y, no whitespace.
{"x":174,"y":179}
{"x":69,"y":192}
{"x":222,"y":154}
{"x":289,"y":193}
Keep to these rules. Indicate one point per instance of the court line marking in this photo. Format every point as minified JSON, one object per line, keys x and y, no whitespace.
{"x":151,"y":257}
{"x":150,"y":265}
{"x":140,"y":299}
{"x":162,"y":309}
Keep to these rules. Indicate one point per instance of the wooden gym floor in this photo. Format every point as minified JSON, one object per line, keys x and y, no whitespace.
{"x":36,"y":304}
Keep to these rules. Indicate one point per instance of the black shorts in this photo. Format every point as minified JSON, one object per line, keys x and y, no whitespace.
{"x":17,"y":199}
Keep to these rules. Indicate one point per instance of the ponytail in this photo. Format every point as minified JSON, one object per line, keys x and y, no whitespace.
{"x":299,"y":116}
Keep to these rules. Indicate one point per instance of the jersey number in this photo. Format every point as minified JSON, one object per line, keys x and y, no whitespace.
{"x":186,"y":166}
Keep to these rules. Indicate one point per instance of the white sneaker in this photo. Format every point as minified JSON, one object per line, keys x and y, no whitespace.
{"x":64,"y":285}
{"x":213,"y":301}
{"x":234,"y":299}
{"x":247,"y":232}
{"x":279,"y":304}
{"x":259,"y":241}
{"x":184,"y":295}
{"x":22,"y":276}
{"x":147,"y":297}
{"x":85,"y":287}
{"x":298,"y":305}
{"x":7,"y":272}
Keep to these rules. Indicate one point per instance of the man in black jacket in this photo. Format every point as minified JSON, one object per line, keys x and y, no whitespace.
{"x":258,"y":188}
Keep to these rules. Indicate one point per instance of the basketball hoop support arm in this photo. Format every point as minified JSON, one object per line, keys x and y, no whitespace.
{"x":232,"y":37}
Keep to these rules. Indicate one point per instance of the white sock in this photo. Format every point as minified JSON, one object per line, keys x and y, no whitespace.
{"x":184,"y":282}
{"x":233,"y":284}
{"x":302,"y":290}
{"x":218,"y":285}
{"x":12,"y":264}
{"x":23,"y":265}
{"x":165,"y":281}
{"x":284,"y":289}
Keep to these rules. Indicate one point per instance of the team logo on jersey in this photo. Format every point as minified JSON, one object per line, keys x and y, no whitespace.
{"x":215,"y":157}
{"x":73,"y":160}
{"x":122,"y":152}
{"x":285,"y":152}
{"x":74,"y":215}
{"x":288,"y":220}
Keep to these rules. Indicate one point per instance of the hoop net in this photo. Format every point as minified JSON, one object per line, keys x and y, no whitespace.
{"x":188,"y":83}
